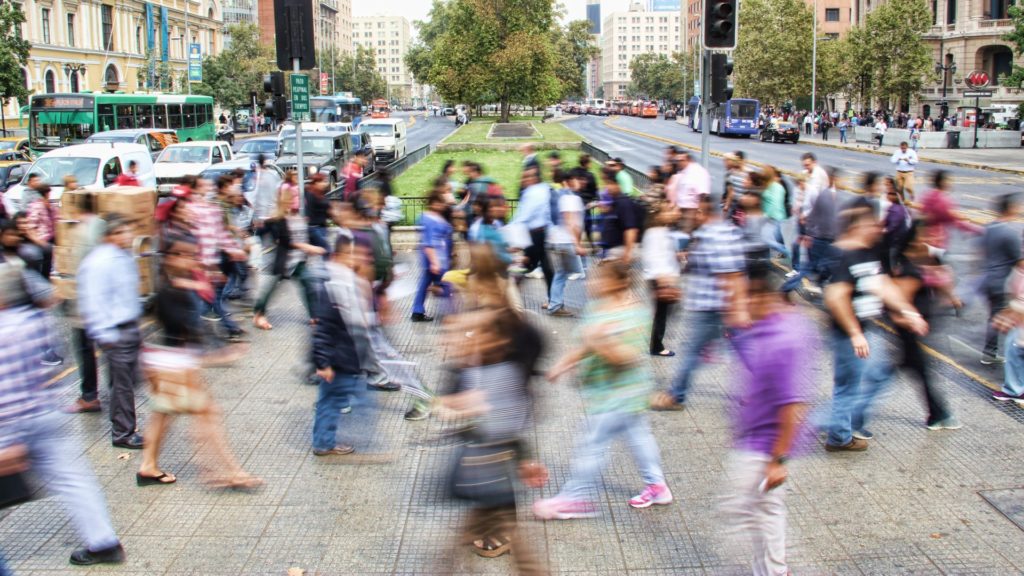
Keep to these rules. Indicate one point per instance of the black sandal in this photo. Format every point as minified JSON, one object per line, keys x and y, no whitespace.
{"x":163,"y":478}
{"x":492,"y":547}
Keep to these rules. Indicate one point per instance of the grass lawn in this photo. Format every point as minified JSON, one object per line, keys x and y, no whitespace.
{"x":476,"y":131}
{"x":504,"y":167}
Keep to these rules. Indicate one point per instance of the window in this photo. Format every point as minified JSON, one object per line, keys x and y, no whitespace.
{"x":71,"y":30}
{"x":160,"y":116}
{"x":935,"y":12}
{"x":144,"y":114}
{"x":125,"y":117}
{"x":174,"y":116}
{"x":107,"y":20}
{"x":45,"y":20}
{"x":106,"y":114}
{"x":950,"y":11}
{"x":189,"y":112}
{"x":831,"y":14}
{"x":51,"y":82}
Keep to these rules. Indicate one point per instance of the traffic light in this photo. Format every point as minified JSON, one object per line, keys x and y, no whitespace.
{"x":293,"y":27}
{"x":721,"y":83}
{"x":720,"y":24}
{"x":280,"y":108}
{"x":273,"y":83}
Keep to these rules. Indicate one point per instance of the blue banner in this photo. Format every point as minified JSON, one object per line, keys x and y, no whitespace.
{"x":195,"y":63}
{"x":165,"y":37}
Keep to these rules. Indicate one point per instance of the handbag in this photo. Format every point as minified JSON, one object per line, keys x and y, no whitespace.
{"x":483,"y":473}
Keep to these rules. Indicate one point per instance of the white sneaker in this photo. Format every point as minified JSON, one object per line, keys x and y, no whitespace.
{"x":536,"y":273}
{"x":577,"y":276}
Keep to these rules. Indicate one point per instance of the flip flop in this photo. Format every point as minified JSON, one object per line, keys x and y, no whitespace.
{"x":163,"y":478}
{"x":492,"y":547}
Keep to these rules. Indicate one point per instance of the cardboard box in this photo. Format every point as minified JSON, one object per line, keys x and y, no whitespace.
{"x":65,"y":287}
{"x":65,"y":260}
{"x":71,"y":204}
{"x":146,"y":285}
{"x":67,"y":233}
{"x":133,"y":202}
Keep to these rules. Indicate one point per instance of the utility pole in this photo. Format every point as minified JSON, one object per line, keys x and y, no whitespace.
{"x":814,"y":58}
{"x":186,"y":45}
{"x":705,"y":99}
{"x":298,"y":147}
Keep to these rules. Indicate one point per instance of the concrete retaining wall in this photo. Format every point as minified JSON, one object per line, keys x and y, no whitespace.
{"x":986,"y":138}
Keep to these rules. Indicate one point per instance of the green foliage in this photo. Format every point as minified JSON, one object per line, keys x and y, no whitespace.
{"x":420,"y":56}
{"x":836,"y":69}
{"x":658,"y":77}
{"x":496,"y":51}
{"x":1016,"y":37}
{"x":773,"y":53}
{"x":13,"y":53}
{"x":357,"y":73}
{"x":574,"y":48}
{"x":238,"y":70}
{"x":893,"y":51}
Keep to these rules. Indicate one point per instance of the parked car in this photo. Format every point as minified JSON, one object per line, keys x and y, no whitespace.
{"x":781,"y":132}
{"x":225,"y":133}
{"x":18,"y":144}
{"x":188,"y":158}
{"x":448,"y":112}
{"x":95,"y":166}
{"x":253,"y":147}
{"x":11,"y":172}
{"x":323,"y":152}
{"x":670,"y":113}
{"x":156,"y":139}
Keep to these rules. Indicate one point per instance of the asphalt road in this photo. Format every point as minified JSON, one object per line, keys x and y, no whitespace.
{"x":426,"y":132}
{"x":955,"y":341}
{"x":974,"y":189}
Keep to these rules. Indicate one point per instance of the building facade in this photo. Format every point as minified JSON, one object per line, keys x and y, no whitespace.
{"x":128,"y":45}
{"x":835,"y":17}
{"x":593,"y":71}
{"x":626,"y":35}
{"x":390,"y":37}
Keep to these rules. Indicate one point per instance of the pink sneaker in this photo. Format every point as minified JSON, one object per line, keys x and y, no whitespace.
{"x":560,"y":508}
{"x":652,"y":494}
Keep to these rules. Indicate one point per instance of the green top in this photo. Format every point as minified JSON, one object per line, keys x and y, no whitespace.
{"x":773,"y":201}
{"x":607,"y":388}
{"x":625,"y":182}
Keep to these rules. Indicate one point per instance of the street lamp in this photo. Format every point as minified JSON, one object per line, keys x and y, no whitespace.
{"x":946,"y":70}
{"x":76,"y":69}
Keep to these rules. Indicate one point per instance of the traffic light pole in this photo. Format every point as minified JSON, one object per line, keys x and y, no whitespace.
{"x":298,"y":149}
{"x":705,"y":99}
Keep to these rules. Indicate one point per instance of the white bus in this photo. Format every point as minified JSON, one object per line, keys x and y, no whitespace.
{"x":595,"y":104}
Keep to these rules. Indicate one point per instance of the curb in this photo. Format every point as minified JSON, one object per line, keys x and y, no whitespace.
{"x":789,"y":173}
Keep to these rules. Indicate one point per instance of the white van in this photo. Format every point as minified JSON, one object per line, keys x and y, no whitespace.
{"x":389,"y":137}
{"x":96,"y":166}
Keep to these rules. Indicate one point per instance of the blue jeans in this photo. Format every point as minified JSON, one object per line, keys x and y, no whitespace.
{"x":220,"y":294}
{"x":334,"y":396}
{"x":819,"y":260}
{"x":238,"y":274}
{"x":426,"y":280}
{"x":1013,"y":380}
{"x":566,"y":262}
{"x":54,"y":459}
{"x":706,"y":326}
{"x":592,"y":452}
{"x":842,"y":135}
{"x":771,"y":234}
{"x":848,"y":396}
{"x":318,"y":237}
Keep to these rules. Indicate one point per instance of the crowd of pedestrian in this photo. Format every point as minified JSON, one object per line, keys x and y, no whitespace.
{"x":717,"y":252}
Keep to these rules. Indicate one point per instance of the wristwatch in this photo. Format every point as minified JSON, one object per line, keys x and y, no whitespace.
{"x":781,"y":459}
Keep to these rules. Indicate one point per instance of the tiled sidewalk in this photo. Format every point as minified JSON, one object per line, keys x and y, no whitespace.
{"x":910,"y":505}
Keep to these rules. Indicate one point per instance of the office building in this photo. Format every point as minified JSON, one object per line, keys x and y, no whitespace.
{"x":390,"y":38}
{"x":626,"y":35}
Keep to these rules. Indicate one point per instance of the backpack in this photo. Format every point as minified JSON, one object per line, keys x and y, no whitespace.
{"x":554,"y":195}
{"x":788,"y":197}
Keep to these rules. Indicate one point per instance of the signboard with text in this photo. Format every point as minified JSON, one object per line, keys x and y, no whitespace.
{"x":300,"y":96}
{"x":323,"y":82}
{"x":195,"y":63}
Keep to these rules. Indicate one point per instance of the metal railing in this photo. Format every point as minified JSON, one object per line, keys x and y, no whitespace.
{"x":413,"y":207}
{"x":640,"y":179}
{"x":395,"y":169}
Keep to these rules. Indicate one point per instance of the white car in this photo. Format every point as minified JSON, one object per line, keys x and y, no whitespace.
{"x":187,"y":159}
{"x":96,"y":166}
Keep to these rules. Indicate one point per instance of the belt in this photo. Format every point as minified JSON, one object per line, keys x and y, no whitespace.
{"x":126,"y":325}
{"x":905,"y":171}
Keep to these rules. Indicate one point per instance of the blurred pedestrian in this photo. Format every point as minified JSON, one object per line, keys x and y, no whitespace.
{"x":174,"y":370}
{"x":534,"y":213}
{"x":108,"y":300}
{"x":1001,"y":241}
{"x":660,"y":256}
{"x":770,"y":406}
{"x":435,"y":252}
{"x":616,"y":377}
{"x":89,"y":234}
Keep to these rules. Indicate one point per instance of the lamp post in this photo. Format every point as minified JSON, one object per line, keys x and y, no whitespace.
{"x":946,"y":70}
{"x":814,"y":58}
{"x":70,"y":69}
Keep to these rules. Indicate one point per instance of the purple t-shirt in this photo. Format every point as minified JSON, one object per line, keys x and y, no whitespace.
{"x":774,"y":352}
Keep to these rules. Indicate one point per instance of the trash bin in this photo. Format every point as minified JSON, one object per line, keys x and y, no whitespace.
{"x":1013,"y":124}
{"x":953,"y":139}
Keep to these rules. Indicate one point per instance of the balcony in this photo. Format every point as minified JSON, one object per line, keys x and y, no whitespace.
{"x":330,"y":4}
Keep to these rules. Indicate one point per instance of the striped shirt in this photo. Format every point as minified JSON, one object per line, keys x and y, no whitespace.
{"x":716,"y":249}
{"x":25,"y":335}
{"x":211,"y":235}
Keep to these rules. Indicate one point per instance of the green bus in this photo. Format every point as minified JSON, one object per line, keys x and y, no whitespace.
{"x":57,"y":120}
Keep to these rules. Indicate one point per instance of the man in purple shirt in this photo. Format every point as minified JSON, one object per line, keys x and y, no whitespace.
{"x":771,"y":407}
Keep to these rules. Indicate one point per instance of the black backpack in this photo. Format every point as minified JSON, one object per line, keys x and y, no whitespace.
{"x":788,"y":196}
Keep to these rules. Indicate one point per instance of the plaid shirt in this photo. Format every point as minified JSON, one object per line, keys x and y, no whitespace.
{"x":41,"y":216}
{"x":25,"y":335}
{"x":716,"y":249}
{"x":211,"y":235}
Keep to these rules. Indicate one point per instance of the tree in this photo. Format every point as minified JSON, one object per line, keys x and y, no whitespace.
{"x":419,"y":58}
{"x":773,"y":53}
{"x":357,"y":73}
{"x":658,"y":77}
{"x":574,"y":49}
{"x":238,"y":70}
{"x":496,"y":50}
{"x":13,"y":55}
{"x":899,"y":60}
{"x":836,"y":72}
{"x":1016,"y":37}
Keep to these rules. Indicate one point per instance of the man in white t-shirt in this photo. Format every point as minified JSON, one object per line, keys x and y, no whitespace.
{"x":685,"y":188}
{"x":880,"y":129}
{"x":564,"y":246}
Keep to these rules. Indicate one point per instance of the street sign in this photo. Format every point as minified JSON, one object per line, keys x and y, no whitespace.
{"x":195,"y":63}
{"x":977,"y":79}
{"x":300,"y":96}
{"x":978,"y":94}
{"x":323,"y":82}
